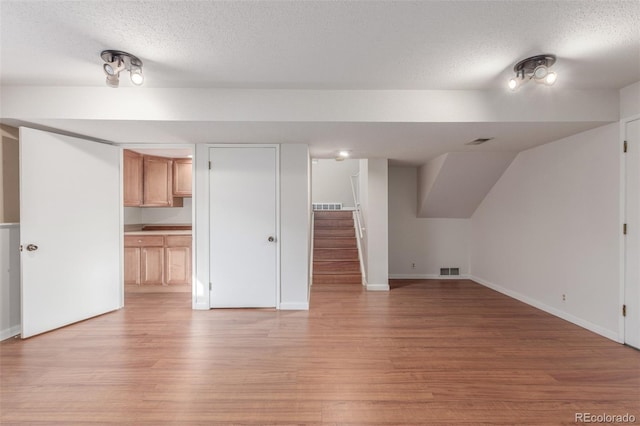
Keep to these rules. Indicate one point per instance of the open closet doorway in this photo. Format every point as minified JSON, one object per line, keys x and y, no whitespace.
{"x":158,"y":219}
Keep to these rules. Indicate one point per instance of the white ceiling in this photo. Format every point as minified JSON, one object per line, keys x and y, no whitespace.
{"x":444,"y":45}
{"x":321,"y":44}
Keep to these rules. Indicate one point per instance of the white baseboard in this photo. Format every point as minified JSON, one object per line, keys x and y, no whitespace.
{"x":10,"y":332}
{"x":294,"y":306}
{"x":428,"y":277}
{"x":377,"y":287}
{"x":549,"y":309}
{"x":200,"y":307}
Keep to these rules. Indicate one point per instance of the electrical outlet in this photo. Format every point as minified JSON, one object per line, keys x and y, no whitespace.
{"x":413,"y":265}
{"x":564,"y":297}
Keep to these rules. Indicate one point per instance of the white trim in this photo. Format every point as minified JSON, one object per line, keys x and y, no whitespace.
{"x":294,"y":306}
{"x":10,"y":332}
{"x":553,"y":311}
{"x":377,"y":287}
{"x":9,"y":225}
{"x":623,"y":219}
{"x":428,"y":277}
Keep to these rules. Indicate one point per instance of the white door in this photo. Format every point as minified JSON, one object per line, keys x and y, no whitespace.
{"x":69,"y":229}
{"x":243,"y":226}
{"x":632,"y":239}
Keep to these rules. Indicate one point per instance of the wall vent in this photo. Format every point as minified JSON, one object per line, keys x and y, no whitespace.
{"x":327,"y":206}
{"x":449,"y":271}
{"x":478,"y":141}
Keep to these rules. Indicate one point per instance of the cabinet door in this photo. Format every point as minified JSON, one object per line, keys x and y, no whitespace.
{"x":182,"y":177}
{"x":158,"y":183}
{"x":132,"y":178}
{"x":151,"y":265}
{"x":132,"y":265}
{"x":178,"y":265}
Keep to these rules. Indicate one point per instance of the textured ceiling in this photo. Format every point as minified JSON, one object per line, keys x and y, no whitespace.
{"x":317,"y":44}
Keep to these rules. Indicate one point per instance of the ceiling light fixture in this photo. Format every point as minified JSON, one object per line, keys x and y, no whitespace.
{"x":535,"y":68}
{"x":117,"y":61}
{"x":342,"y":155}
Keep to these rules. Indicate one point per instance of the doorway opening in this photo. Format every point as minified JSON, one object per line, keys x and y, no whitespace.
{"x":337,"y":223}
{"x":157,"y":222}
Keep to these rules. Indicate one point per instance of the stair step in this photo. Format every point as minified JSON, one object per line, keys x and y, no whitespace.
{"x":335,"y":254}
{"x":324,"y":233}
{"x":337,"y":279}
{"x":343,"y":214}
{"x":336,"y":267}
{"x":335,"y":243}
{"x":333,"y":223}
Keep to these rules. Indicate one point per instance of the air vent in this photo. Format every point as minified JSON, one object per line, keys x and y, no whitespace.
{"x":478,"y":141}
{"x":327,"y":206}
{"x":444,"y":271}
{"x":449,"y":271}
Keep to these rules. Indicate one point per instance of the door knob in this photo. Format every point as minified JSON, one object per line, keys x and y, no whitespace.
{"x":32,"y":247}
{"x":271,"y":239}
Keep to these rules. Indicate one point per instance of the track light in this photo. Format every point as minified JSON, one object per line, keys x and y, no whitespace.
{"x":117,"y":61}
{"x":536,"y":68}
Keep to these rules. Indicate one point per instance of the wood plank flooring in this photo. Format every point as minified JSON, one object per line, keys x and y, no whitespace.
{"x":427,"y":352}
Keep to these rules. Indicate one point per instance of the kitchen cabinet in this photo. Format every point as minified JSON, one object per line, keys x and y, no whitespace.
{"x":157,"y":260}
{"x":157,"y":183}
{"x":178,"y":259}
{"x":132,"y":178}
{"x":143,"y":259}
{"x":182,"y":177}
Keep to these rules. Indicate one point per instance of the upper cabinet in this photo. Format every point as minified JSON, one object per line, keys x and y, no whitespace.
{"x":132,"y":178}
{"x":182,"y":177}
{"x":158,"y":183}
{"x":151,"y":181}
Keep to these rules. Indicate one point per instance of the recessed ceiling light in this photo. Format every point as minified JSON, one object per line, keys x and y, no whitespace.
{"x":343,"y":154}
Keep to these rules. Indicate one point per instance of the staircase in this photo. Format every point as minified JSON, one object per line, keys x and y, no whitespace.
{"x":335,"y":250}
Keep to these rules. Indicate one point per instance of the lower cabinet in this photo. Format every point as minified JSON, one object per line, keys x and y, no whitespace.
{"x":177,"y":259}
{"x":157,"y":260}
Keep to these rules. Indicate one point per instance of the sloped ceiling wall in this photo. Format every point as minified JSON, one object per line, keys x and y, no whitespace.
{"x":453,"y":184}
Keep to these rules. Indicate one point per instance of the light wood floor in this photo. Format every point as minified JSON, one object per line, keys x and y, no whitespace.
{"x":427,"y":352}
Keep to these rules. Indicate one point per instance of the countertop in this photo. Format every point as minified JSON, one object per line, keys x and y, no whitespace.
{"x":185,"y":232}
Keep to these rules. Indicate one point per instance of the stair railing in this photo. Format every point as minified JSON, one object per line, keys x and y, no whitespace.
{"x":357,"y":214}
{"x":355,"y":191}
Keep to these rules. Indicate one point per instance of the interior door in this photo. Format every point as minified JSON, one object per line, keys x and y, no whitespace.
{"x":70,"y":230}
{"x":243,"y":262}
{"x":632,"y":239}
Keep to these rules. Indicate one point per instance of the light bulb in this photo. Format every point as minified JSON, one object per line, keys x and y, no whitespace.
{"x":113,"y":68}
{"x":343,"y":154}
{"x":136,"y":76}
{"x":513,"y":84}
{"x":540,"y":72}
{"x":550,"y":78}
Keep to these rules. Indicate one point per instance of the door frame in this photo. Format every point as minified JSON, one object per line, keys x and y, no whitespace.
{"x":194,"y":203}
{"x":201,"y":296}
{"x":623,"y":208}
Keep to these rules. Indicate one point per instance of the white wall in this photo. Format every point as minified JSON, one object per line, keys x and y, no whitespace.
{"x":429,"y":243}
{"x":551,"y":226}
{"x":375,"y":205}
{"x":331,"y":181}
{"x":295,"y":214}
{"x":630,"y":100}
{"x":9,"y":280}
{"x":153,"y":215}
